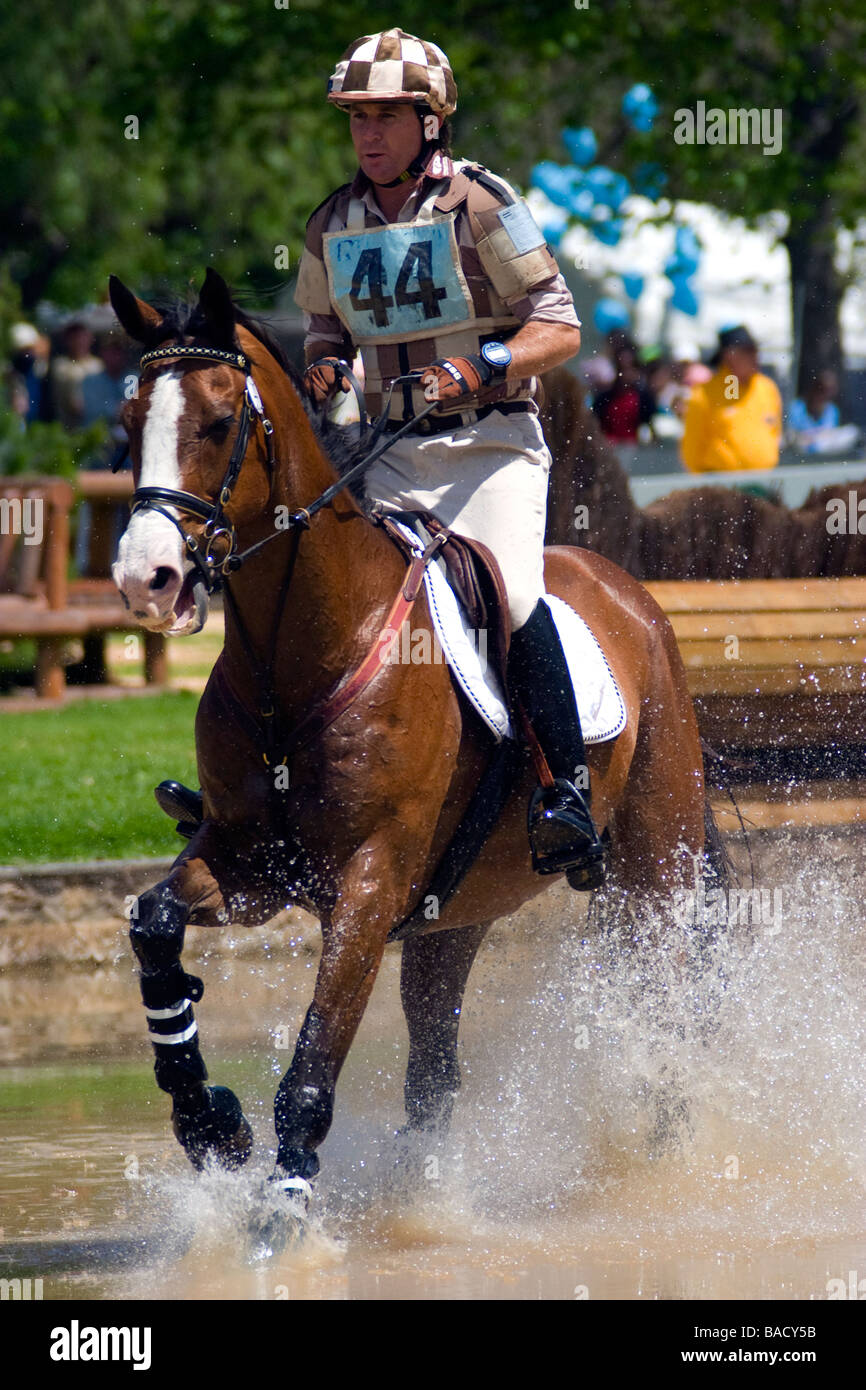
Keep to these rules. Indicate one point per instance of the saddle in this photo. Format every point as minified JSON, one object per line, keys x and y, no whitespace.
{"x":473,"y":574}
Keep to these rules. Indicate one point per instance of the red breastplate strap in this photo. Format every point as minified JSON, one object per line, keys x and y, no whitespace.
{"x":324,"y":715}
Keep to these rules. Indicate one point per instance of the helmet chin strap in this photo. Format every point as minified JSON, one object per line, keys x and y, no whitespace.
{"x":415,"y":170}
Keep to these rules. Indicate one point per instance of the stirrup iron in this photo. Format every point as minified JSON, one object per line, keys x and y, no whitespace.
{"x":562,"y":835}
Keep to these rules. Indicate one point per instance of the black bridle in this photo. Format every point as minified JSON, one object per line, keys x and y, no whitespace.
{"x":218,"y":527}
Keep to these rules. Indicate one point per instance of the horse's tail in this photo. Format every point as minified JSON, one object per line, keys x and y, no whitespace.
{"x":718,"y":865}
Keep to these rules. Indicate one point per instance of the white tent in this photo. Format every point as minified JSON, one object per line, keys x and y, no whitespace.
{"x":743,"y":276}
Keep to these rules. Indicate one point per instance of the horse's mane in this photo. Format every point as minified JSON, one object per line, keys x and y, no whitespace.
{"x":180,"y":319}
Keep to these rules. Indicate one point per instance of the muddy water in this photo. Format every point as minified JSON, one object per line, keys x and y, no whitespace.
{"x":551,"y":1184}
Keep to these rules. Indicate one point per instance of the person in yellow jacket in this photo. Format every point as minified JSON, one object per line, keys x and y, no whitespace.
{"x":734,"y":421}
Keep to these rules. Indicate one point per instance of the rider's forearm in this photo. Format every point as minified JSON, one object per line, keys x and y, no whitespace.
{"x":536,"y":347}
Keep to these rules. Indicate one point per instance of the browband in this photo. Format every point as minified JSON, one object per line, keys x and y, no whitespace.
{"x":231,"y":359}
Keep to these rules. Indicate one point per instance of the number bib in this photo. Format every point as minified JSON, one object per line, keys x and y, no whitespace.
{"x":401,"y":281}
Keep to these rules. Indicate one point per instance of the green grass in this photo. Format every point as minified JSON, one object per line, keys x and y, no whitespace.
{"x":77,"y":782}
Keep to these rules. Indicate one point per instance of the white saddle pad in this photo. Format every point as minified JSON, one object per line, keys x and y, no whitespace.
{"x":599,"y":700}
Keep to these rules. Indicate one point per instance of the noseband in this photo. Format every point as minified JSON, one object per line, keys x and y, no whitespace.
{"x":218,"y":528}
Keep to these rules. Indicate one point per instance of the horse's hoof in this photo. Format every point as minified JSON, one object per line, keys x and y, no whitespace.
{"x":280,"y":1220}
{"x":216,"y":1129}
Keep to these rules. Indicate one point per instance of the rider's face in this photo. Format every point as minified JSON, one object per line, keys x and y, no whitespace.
{"x":387,"y":137}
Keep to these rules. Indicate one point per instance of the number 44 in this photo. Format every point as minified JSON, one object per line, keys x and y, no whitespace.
{"x":417,"y":263}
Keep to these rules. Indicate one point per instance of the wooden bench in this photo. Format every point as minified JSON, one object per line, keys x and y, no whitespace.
{"x":773,"y":663}
{"x":37,"y":598}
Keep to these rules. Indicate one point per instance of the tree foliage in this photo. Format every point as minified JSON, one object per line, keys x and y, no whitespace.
{"x":236,"y":143}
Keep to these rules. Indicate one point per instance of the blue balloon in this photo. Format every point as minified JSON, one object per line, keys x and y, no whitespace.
{"x":684,"y":297}
{"x":609,"y":314}
{"x":649,"y":180}
{"x":608,"y":188}
{"x":556,"y":182}
{"x":686,"y":244}
{"x":617,"y":192}
{"x":644,"y":120}
{"x":610,"y":232}
{"x":582,"y":203}
{"x":599,"y":177}
{"x":636,"y":97}
{"x":581,"y":145}
{"x":640,"y":106}
{"x":681,"y":267}
{"x":633,"y":285}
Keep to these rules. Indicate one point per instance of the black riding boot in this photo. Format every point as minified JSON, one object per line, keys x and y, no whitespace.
{"x":562,"y":835}
{"x":180,"y":804}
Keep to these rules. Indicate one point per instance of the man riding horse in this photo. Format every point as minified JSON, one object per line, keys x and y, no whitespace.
{"x":426,"y":264}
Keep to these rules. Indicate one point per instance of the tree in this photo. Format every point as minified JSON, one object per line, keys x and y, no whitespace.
{"x":149,"y":137}
{"x":235,"y":144}
{"x":795,"y":56}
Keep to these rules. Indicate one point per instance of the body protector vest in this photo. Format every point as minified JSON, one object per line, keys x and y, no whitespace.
{"x":436,"y":285}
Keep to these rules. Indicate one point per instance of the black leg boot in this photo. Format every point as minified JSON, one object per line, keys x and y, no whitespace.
{"x":562,"y":835}
{"x":180,"y":804}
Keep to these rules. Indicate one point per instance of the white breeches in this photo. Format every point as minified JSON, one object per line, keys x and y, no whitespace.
{"x":486,"y":481}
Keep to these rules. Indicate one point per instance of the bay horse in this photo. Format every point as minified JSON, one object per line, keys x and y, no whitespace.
{"x":352,"y":823}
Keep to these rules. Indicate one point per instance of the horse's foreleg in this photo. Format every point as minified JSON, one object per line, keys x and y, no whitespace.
{"x":304,"y":1103}
{"x":207,"y":1120}
{"x":433,"y":977}
{"x":369,"y":898}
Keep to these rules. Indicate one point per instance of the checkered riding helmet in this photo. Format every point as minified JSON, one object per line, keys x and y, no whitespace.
{"x":394,"y":66}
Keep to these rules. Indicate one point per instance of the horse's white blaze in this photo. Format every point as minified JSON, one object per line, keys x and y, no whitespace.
{"x":150,"y":541}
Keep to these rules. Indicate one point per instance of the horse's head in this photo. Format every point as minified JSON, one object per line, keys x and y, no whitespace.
{"x":200,"y":449}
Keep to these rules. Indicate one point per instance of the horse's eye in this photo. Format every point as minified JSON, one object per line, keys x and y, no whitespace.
{"x":219,"y":428}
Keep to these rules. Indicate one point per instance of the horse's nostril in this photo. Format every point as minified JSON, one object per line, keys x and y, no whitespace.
{"x":161,"y":577}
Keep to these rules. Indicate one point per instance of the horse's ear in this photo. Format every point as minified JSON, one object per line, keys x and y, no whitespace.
{"x":215,"y":302}
{"x":141,"y":321}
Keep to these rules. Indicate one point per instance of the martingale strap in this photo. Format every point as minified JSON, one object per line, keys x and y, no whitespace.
{"x":325,"y":714}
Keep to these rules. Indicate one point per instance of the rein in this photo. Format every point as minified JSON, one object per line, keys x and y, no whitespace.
{"x":215,"y":572}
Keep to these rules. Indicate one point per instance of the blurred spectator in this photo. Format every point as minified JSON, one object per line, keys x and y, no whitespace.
{"x":813,"y":421}
{"x":102,"y":396}
{"x":817,"y":410}
{"x":598,"y":373}
{"x":103,"y":393}
{"x":734,"y":420}
{"x":663,"y":379}
{"x":628,"y":403}
{"x":28,"y":380}
{"x":69,"y":370}
{"x":696,"y":374}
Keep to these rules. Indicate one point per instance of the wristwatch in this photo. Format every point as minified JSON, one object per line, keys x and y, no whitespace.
{"x":498,"y":358}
